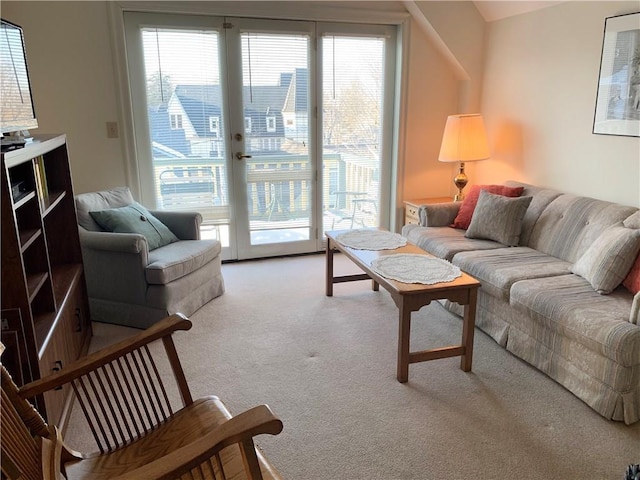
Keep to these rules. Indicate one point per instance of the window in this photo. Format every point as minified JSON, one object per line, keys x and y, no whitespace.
{"x":271,"y":124}
{"x":214,"y":126}
{"x":247,"y":124}
{"x":176,"y":122}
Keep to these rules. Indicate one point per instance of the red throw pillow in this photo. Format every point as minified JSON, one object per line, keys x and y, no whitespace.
{"x":463,"y":219}
{"x":632,"y":281}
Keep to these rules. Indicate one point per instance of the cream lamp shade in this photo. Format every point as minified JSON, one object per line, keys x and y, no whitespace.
{"x":464,"y":140}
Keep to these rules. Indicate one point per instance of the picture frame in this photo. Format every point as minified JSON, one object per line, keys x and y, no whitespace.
{"x":617,"y":109}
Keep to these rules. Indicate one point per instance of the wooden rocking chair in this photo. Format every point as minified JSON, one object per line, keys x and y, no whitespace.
{"x":138,"y":432}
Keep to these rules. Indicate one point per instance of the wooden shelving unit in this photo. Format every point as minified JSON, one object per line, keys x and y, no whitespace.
{"x":45,"y":310}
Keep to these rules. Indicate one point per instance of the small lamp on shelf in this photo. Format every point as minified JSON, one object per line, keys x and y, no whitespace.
{"x":464,"y":140}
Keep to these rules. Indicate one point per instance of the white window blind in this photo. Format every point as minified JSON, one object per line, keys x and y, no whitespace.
{"x":185,"y":121}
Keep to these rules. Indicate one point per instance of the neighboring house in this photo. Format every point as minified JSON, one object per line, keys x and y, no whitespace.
{"x":193,"y":123}
{"x":295,"y":110}
{"x":167,"y":142}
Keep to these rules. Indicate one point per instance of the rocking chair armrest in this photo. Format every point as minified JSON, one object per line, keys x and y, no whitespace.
{"x":239,"y":429}
{"x":162,"y":329}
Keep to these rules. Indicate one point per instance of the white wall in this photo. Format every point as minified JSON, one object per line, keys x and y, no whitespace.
{"x":433,"y":94}
{"x":541,"y":75}
{"x":538,"y":96}
{"x":73,"y":77}
{"x":71,"y":70}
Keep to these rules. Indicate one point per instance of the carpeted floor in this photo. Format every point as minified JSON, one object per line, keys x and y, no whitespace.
{"x":326,"y":366}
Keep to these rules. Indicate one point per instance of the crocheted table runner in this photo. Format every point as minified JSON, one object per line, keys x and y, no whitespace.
{"x":414,"y":268}
{"x":366,"y":239}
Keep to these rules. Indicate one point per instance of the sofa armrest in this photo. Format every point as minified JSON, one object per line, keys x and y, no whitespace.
{"x":438,"y":214}
{"x":184,"y":225}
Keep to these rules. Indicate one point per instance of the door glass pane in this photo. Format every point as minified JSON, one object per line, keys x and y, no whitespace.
{"x":186,"y":124}
{"x":276,"y":117}
{"x":352,"y":105}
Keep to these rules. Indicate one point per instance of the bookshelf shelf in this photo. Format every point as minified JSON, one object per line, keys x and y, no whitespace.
{"x":42,"y":270}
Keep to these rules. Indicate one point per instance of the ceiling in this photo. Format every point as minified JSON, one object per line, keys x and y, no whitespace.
{"x":496,"y":10}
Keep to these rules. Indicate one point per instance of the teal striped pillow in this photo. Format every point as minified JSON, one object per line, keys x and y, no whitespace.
{"x":135,"y":218}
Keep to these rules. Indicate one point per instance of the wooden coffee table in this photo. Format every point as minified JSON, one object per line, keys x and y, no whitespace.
{"x":411,"y":297}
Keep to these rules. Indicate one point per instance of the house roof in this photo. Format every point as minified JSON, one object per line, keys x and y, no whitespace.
{"x":203,"y":101}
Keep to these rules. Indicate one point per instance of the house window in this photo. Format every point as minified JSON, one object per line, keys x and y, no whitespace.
{"x":214,"y":126}
{"x":176,"y":121}
{"x":271,"y":124}
{"x":247,"y":124}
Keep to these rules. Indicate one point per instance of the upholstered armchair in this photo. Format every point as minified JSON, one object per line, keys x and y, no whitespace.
{"x":136,"y":279}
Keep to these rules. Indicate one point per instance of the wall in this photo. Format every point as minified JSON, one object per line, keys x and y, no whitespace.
{"x":541,"y":75}
{"x":71,"y":71}
{"x":433,"y":94}
{"x":73,"y":77}
{"x":539,"y":123}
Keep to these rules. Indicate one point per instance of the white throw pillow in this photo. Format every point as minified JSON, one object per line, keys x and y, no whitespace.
{"x":608,"y":260}
{"x":633,"y":221}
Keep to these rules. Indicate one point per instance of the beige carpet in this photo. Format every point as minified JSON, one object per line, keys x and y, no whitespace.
{"x":327,"y":367}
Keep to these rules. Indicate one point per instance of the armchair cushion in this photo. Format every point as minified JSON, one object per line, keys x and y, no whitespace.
{"x":94,"y":201}
{"x":178,"y":259}
{"x":134,"y":218}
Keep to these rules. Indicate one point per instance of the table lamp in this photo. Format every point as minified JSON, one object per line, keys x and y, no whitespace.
{"x":464,"y":140}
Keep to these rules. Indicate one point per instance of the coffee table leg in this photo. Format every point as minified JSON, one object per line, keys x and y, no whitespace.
{"x":329,"y":270}
{"x":404,"y":333}
{"x":468,"y":326}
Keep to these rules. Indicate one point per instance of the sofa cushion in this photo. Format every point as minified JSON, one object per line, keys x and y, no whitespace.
{"x":498,"y":218}
{"x":570,"y":225}
{"x":445,"y":242}
{"x":568,"y":305}
{"x":463,"y":218}
{"x":497,"y":270}
{"x":542,"y":197}
{"x":178,"y":259}
{"x":135,"y":218}
{"x":94,"y":201}
{"x":608,"y":260}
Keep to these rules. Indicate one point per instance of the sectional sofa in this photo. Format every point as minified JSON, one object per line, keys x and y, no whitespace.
{"x":560,"y":279}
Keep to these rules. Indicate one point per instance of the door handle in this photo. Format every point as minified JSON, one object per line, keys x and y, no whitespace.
{"x":241,"y":155}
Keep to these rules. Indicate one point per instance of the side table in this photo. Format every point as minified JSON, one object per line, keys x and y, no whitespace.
{"x":411,"y":208}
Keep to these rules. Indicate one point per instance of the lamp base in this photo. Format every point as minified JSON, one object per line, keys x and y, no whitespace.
{"x":460,"y":180}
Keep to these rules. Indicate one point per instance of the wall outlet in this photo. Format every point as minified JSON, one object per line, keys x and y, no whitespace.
{"x":112,"y":130}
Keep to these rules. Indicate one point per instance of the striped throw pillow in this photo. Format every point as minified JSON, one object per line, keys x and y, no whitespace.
{"x":608,"y":260}
{"x":498,"y":218}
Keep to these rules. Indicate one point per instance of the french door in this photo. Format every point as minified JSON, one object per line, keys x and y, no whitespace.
{"x":234,"y":119}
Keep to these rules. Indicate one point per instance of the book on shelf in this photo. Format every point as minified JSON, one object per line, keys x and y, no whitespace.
{"x":41,"y":177}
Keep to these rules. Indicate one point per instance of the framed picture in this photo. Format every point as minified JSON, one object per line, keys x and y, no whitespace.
{"x":618,"y":98}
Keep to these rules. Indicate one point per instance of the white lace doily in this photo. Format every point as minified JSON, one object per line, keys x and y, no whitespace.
{"x":366,"y":239}
{"x":414,"y":268}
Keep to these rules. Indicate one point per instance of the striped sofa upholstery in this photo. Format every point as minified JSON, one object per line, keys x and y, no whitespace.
{"x":531,"y":303}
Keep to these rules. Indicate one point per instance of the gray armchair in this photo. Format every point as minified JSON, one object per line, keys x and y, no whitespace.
{"x":129,"y":284}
